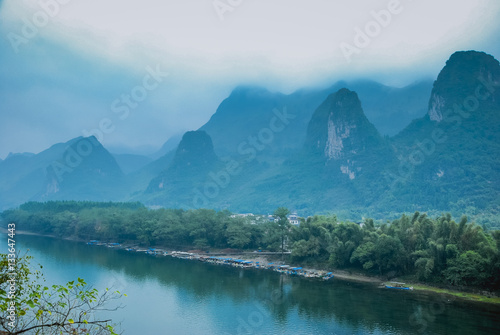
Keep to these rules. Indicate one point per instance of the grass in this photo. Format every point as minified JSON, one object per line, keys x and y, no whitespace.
{"x":461,"y":295}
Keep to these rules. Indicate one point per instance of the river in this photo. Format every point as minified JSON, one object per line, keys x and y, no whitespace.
{"x":174,"y":296}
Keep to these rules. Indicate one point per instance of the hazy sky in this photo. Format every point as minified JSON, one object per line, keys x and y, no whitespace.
{"x":68,"y":66}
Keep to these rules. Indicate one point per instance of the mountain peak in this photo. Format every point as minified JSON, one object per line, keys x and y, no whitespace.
{"x":194,"y":159}
{"x":194,"y":141}
{"x":466,"y":75}
{"x":347,"y":101}
{"x":470,"y":58}
{"x":339,"y":128}
{"x":195,"y":148}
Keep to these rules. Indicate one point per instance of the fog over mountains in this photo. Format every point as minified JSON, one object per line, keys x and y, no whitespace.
{"x":354,"y":146}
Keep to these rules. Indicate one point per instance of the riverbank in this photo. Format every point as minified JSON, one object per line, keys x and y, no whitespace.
{"x":264,"y":260}
{"x":457,"y":294}
{"x":177,"y":290}
{"x":269,"y":261}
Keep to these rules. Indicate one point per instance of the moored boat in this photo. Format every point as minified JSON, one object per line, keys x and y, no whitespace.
{"x":328,"y":276}
{"x":398,"y":286}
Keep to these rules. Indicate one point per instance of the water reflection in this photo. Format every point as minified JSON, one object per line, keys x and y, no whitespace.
{"x":257,"y":302}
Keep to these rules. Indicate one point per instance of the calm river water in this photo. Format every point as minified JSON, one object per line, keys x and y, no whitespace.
{"x":172,"y":296}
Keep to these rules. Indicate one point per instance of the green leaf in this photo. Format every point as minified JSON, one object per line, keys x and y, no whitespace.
{"x":71,"y":321}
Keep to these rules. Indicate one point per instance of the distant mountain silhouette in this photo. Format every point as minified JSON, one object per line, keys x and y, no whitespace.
{"x":314,"y":150}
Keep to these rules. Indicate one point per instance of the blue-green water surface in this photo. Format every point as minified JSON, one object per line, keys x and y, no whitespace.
{"x":174,"y":296}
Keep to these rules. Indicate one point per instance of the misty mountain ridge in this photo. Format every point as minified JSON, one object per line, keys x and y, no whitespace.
{"x":312,"y":150}
{"x":249,"y":109}
{"x":80,"y":169}
{"x":456,"y":146}
{"x":194,"y":157}
{"x":339,"y":128}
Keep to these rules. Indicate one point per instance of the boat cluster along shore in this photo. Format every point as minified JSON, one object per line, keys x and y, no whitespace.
{"x":227,"y":261}
{"x":258,"y":262}
{"x":242,"y":263}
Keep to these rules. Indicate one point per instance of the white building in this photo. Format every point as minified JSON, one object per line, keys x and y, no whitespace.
{"x":294,"y":219}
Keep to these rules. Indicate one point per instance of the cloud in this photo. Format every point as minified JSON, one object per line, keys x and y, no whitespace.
{"x":64,"y":79}
{"x":287,"y":38}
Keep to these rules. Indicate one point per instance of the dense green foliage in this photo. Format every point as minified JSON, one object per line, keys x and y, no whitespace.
{"x":436,"y":250}
{"x":27,"y":306}
{"x":132,"y":222}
